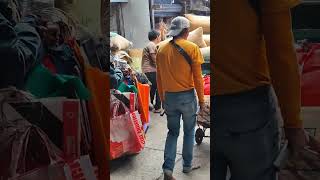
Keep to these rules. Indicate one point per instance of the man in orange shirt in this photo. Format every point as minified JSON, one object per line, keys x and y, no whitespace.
{"x":177,"y":81}
{"x":253,"y":57}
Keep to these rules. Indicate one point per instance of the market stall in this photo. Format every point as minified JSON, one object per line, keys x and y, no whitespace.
{"x":129,"y":100}
{"x":55,"y":124}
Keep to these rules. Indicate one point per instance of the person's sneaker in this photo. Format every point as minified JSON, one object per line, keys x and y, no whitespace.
{"x":168,"y":177}
{"x":151,"y":107}
{"x":189,"y":169}
{"x":157,"y":111}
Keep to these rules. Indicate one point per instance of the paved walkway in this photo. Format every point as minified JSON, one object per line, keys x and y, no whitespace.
{"x":147,"y":164}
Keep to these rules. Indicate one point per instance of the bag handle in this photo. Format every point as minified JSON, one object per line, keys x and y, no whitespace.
{"x":116,"y":106}
{"x":307,"y":57}
{"x":310,"y":53}
{"x":20,"y":149}
{"x":182,"y":52}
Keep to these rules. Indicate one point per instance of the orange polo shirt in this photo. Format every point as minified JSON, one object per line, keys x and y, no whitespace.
{"x":174,"y":74}
{"x":252,"y":51}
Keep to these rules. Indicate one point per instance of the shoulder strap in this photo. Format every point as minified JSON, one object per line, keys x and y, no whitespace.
{"x":182,"y":52}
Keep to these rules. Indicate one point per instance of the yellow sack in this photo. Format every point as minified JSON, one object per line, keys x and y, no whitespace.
{"x":199,"y":21}
{"x":196,"y":37}
{"x":120,"y":43}
{"x":125,"y":56}
{"x":136,"y":56}
{"x":206,"y":38}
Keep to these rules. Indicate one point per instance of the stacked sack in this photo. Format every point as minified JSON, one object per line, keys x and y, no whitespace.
{"x":200,"y":33}
{"x":119,"y":43}
{"x":122,"y":49}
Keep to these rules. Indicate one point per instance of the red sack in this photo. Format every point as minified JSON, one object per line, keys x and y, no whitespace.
{"x":206,"y":85}
{"x":309,"y":61}
{"x":126,"y":134}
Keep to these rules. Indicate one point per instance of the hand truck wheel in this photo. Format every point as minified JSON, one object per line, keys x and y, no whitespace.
{"x":199,"y":136}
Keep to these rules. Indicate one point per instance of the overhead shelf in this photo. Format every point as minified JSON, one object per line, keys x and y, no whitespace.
{"x":118,"y":1}
{"x":165,"y":10}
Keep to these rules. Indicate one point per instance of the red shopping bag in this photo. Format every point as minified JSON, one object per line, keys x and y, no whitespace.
{"x":54,"y":171}
{"x":79,"y":169}
{"x":310,"y":88}
{"x":126,"y":134}
{"x":25,"y":147}
{"x":71,"y":127}
{"x":309,"y":61}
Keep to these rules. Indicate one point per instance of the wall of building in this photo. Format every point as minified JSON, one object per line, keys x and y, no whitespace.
{"x":136,"y":21}
{"x":86,"y":11}
{"x":116,"y":18}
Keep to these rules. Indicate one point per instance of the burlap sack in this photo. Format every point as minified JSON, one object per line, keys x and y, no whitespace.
{"x":205,"y":53}
{"x":120,"y":43}
{"x":206,"y":38}
{"x":136,"y":55}
{"x":199,"y":21}
{"x":196,"y":37}
{"x":125,"y":56}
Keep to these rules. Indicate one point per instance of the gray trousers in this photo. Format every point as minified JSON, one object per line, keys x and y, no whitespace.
{"x":245,"y":135}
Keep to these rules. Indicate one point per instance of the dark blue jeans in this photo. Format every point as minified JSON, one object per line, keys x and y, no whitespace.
{"x":177,"y":105}
{"x":245,"y":135}
{"x":154,"y":94}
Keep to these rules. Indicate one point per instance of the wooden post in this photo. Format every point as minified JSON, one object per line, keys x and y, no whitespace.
{"x":105,"y":14}
{"x":151,"y":4}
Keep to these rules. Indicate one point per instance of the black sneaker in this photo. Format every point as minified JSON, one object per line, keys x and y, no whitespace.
{"x":189,"y":169}
{"x":168,"y":177}
{"x":157,"y":111}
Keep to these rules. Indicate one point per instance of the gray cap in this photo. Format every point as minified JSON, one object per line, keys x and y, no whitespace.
{"x":177,"y":25}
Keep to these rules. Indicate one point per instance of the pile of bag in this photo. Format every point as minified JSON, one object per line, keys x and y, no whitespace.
{"x":199,"y":21}
{"x":122,"y":49}
{"x":65,"y":119}
{"x":40,"y":145}
{"x":200,"y":32}
{"x":129,"y":103}
{"x":118,"y":42}
{"x":126,"y":133}
{"x":129,"y":119}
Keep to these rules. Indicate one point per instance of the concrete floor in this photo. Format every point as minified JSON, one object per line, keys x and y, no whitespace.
{"x":147,"y":164}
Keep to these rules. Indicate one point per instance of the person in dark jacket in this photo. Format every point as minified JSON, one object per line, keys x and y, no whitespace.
{"x":116,"y":76}
{"x":19,"y":46}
